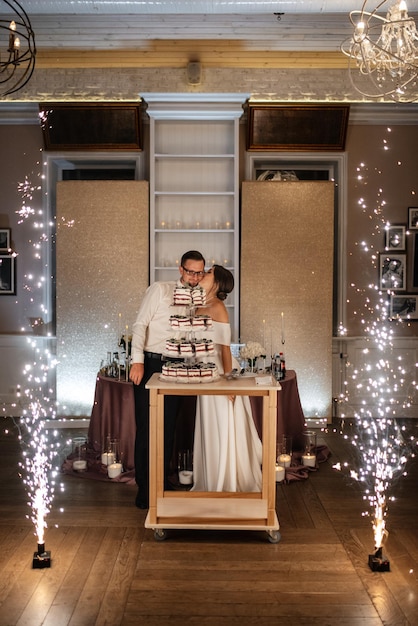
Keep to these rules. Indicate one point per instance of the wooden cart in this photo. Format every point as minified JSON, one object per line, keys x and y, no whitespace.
{"x":212,"y":510}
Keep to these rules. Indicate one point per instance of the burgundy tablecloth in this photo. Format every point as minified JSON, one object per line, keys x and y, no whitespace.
{"x":113,"y":414}
{"x":290,"y":417}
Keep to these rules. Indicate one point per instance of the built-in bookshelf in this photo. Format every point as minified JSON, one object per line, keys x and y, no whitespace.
{"x":194,"y":183}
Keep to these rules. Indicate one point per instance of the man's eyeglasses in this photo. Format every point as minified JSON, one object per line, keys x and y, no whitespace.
{"x":193,"y":273}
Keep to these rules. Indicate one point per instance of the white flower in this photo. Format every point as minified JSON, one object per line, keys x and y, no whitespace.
{"x":252,"y":350}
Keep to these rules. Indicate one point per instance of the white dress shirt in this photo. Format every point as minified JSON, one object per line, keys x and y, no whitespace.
{"x":152,"y":328}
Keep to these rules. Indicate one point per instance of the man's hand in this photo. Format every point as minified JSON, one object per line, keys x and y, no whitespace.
{"x":136,"y":372}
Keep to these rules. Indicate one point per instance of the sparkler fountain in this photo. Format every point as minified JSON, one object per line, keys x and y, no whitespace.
{"x":38,"y":450}
{"x":382,"y":449}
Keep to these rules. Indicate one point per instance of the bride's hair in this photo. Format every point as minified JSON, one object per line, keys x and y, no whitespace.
{"x":224,"y":281}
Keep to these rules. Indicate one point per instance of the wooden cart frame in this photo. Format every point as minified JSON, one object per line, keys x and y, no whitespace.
{"x":212,"y":510}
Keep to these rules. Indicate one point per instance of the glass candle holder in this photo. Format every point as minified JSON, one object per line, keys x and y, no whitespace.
{"x":79,"y":450}
{"x":285,"y":451}
{"x":309,"y":448}
{"x":114,"y":469}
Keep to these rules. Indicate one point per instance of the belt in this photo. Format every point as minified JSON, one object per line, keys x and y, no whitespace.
{"x":153,"y":355}
{"x":159,"y":357}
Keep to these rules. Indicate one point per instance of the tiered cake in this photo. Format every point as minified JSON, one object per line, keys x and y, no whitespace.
{"x":186,"y":345}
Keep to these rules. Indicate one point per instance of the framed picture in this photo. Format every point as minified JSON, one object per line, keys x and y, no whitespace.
{"x":413,"y":217}
{"x":404,"y":307}
{"x":7,"y":275}
{"x":395,"y":238}
{"x":4,"y":239}
{"x":392,"y":271}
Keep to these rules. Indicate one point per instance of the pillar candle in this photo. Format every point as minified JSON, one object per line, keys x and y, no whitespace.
{"x":283,"y":339}
{"x":280,"y":473}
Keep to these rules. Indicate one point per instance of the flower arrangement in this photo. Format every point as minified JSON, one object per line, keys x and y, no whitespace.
{"x":252,"y":351}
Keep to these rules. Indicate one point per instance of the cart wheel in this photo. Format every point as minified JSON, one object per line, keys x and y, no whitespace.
{"x":273,"y":536}
{"x":160,"y":534}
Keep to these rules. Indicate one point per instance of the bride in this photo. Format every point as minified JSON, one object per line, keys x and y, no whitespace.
{"x":227,"y":449}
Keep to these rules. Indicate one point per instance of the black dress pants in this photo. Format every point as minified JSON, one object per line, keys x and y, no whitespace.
{"x":171,"y":404}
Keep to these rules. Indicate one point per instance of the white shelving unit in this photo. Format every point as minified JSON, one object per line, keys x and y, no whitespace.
{"x":194,"y":183}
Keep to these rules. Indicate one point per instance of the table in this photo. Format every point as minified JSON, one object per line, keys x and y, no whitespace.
{"x":113,"y":413}
{"x":214,"y":510}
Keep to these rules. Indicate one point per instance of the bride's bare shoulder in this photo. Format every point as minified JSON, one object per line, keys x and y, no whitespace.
{"x":219,"y":312}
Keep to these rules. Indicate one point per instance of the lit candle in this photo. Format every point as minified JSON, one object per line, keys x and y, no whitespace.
{"x":186,"y":477}
{"x":280,"y":473}
{"x":12,"y":36}
{"x":309,"y":460}
{"x":80,"y":465}
{"x":114,"y":470}
{"x":283,"y":340}
{"x":108,"y":458}
{"x":285,"y":459}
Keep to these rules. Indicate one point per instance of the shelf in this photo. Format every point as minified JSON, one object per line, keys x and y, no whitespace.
{"x":194,"y":193}
{"x":172,"y":268}
{"x":173,"y":231}
{"x":194,"y":156}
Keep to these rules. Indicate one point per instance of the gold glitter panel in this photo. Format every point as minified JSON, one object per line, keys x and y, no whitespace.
{"x":287,"y":267}
{"x":102,"y":272}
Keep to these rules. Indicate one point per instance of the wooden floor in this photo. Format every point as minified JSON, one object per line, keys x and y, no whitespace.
{"x":107,"y":569}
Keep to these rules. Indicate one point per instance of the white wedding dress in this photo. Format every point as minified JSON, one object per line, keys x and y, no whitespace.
{"x":227,"y":449}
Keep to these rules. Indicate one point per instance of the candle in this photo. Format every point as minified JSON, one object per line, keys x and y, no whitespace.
{"x":126,"y":353}
{"x":119,"y":341}
{"x":186,"y":477}
{"x":80,"y":465}
{"x":280,"y":473}
{"x":285,"y":459}
{"x":108,"y":458}
{"x":283,"y":340}
{"x":114,"y":470}
{"x":309,"y":460}
{"x":264,"y":334}
{"x":12,"y":36}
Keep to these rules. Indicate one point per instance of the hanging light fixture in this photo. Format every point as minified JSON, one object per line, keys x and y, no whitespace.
{"x":17,"y":49}
{"x":385,"y":50}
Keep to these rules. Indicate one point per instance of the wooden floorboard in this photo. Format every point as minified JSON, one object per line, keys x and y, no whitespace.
{"x":108,"y":570}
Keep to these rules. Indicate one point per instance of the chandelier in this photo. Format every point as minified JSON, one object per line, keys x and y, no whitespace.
{"x":17,"y":49}
{"x":384,"y":50}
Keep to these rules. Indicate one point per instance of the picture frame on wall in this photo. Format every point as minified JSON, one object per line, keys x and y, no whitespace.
{"x":7,"y":275}
{"x":413,"y":261}
{"x":395,"y":237}
{"x":404,"y":307}
{"x":5,"y":239}
{"x":413,"y":218}
{"x":392,"y":273}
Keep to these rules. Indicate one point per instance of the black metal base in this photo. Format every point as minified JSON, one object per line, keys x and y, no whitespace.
{"x":41,"y":558}
{"x":378,"y":563}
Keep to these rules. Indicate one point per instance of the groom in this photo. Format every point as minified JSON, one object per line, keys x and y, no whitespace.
{"x":150,"y":332}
